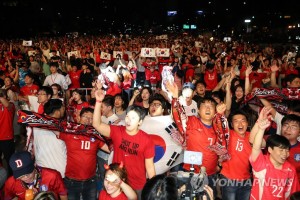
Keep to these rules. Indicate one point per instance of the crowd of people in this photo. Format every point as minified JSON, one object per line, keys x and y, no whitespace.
{"x":235,"y":102}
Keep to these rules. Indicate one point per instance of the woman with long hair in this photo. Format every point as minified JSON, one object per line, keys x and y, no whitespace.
{"x":120,"y":106}
{"x":141,"y":98}
{"x":76,"y":103}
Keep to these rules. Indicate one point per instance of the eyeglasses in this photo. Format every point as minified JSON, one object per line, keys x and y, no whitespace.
{"x":41,"y":94}
{"x":287,"y":126}
{"x":156,"y":105}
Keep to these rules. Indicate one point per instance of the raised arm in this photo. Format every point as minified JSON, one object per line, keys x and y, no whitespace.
{"x":228,"y":100}
{"x":101,"y":127}
{"x":177,"y":110}
{"x":219,"y":85}
{"x":274,"y":69}
{"x":247,"y":80}
{"x":263,"y":123}
{"x":266,"y":103}
{"x":135,"y":94}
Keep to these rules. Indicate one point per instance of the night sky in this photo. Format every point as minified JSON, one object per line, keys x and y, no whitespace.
{"x":100,"y":16}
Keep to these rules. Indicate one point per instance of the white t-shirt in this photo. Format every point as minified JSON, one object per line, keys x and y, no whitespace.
{"x":190,"y":110}
{"x":109,"y":120}
{"x":49,"y":151}
{"x":55,"y":78}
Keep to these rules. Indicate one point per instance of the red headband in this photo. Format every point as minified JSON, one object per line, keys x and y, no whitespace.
{"x":121,"y":165}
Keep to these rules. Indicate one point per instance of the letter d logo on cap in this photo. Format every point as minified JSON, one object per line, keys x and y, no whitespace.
{"x":19,"y":163}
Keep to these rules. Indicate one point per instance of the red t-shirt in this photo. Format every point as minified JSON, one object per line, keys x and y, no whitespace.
{"x":147,"y":66}
{"x":41,"y":109}
{"x":211,"y":79}
{"x":294,"y":158}
{"x":238,"y":166}
{"x":293,"y":71}
{"x":29,"y":90}
{"x":199,"y":137}
{"x":278,"y":183}
{"x":75,"y":76}
{"x":6,"y":118}
{"x":163,"y":62}
{"x":77,"y":108}
{"x":242,"y":72}
{"x":50,"y":180}
{"x":126,"y":84}
{"x":132,"y":150}
{"x":97,"y":57}
{"x":153,"y":77}
{"x":258,"y":77}
{"x":81,"y":155}
{"x":189,"y":72}
{"x":113,"y":89}
{"x":104,"y":196}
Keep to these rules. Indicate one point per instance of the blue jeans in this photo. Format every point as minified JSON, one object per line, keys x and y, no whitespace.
{"x":235,"y":190}
{"x":212,"y":179}
{"x":87,"y":189}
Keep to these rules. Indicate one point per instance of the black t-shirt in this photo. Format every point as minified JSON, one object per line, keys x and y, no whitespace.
{"x":86,"y":80}
{"x":1,"y":82}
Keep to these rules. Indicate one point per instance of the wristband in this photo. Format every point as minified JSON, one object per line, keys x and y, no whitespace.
{"x":98,"y":101}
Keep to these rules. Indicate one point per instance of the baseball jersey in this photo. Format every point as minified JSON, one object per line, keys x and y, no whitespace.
{"x":271,"y":183}
{"x":50,"y":180}
{"x":199,"y":137}
{"x":81,"y":155}
{"x":238,"y":166}
{"x":132,"y":150}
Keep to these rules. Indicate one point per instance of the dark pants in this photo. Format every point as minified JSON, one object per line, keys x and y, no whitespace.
{"x":101,"y":171}
{"x":86,"y":189}
{"x":212,"y":180}
{"x":140,"y":78}
{"x":7,"y":147}
{"x":235,"y":190}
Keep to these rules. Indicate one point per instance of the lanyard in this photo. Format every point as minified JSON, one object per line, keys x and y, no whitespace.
{"x":54,"y":78}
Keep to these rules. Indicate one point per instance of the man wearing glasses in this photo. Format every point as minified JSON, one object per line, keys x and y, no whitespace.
{"x":44,"y":94}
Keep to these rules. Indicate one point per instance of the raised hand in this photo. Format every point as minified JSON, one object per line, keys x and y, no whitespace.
{"x":274,"y":68}
{"x":264,"y":113}
{"x":209,"y":193}
{"x":264,"y":124}
{"x":113,"y":179}
{"x":221,"y":108}
{"x":172,"y":88}
{"x":99,"y":93}
{"x":248,"y":70}
{"x":263,"y":118}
